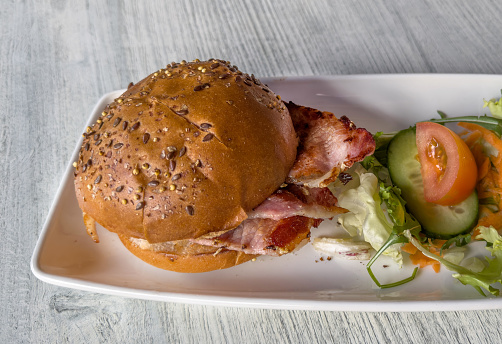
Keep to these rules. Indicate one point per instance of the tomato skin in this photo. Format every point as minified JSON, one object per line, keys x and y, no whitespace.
{"x":448,"y":168}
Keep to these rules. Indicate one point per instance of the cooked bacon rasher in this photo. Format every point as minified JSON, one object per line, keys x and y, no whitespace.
{"x":327,"y":146}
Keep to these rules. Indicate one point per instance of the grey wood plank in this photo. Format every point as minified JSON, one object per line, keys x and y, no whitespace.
{"x":57,"y":58}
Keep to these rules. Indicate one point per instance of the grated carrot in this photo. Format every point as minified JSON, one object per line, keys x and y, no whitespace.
{"x":489,"y":173}
{"x":418,"y":258}
{"x":409,"y":248}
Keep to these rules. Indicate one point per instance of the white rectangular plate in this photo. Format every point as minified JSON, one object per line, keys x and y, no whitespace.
{"x":66,"y":256}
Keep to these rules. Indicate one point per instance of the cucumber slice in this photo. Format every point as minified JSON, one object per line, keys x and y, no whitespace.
{"x":437,"y":221}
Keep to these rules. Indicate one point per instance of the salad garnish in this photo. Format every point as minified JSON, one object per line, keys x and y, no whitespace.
{"x":388,"y":213}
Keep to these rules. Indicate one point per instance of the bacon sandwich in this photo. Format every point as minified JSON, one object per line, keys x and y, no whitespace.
{"x":200,"y":167}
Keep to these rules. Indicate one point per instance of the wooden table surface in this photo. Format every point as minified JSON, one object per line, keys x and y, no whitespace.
{"x":57,"y":59}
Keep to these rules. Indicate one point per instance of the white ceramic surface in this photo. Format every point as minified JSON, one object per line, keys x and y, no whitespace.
{"x":66,"y":256}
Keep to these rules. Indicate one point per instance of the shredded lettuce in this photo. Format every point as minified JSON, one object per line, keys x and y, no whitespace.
{"x":366,"y":216}
{"x":489,"y":275}
{"x":495,"y":107}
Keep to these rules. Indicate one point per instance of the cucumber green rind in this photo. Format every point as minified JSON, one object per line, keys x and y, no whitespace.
{"x":442,"y":222}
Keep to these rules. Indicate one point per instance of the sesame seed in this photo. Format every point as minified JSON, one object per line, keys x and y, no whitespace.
{"x":205,"y":126}
{"x":176,"y":177}
{"x":170,"y":155}
{"x":153,"y":183}
{"x":208,"y":137}
{"x":119,"y":188}
{"x":118,"y":145}
{"x":182,"y":112}
{"x":172,"y":165}
{"x":146,"y":137}
{"x":124,"y":125}
{"x":201,"y":87}
{"x":135,"y":126}
{"x":183,"y":150}
{"x":89,"y":186}
{"x":117,"y":121}
{"x":190,"y":210}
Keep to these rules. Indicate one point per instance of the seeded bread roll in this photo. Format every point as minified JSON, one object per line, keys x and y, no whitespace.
{"x":187,"y":151}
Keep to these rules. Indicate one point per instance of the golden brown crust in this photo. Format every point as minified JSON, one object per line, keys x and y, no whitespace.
{"x":192,"y":262}
{"x":186,"y":151}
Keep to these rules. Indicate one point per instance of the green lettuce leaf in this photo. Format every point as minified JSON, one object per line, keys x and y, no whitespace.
{"x":495,"y":107}
{"x":485,"y":279}
{"x":366,"y":216}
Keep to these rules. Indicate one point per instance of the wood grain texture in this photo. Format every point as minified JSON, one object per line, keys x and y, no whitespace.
{"x":58,"y":57}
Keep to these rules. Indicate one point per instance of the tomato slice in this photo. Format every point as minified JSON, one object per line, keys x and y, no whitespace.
{"x":448,"y":168}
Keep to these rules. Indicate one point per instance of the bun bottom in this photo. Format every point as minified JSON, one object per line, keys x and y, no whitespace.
{"x":189,"y":263}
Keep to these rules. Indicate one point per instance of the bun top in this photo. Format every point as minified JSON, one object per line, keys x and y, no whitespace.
{"x":185,"y":152}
